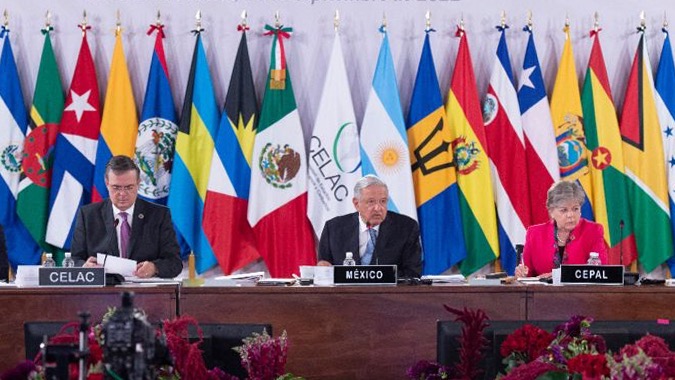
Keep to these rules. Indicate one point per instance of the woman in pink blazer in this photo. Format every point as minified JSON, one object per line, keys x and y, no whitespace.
{"x":566,"y":238}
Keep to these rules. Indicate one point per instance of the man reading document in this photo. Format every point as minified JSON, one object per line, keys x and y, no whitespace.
{"x":125,"y":226}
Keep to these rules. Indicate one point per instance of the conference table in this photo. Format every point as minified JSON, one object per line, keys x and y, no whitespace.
{"x":340,"y":332}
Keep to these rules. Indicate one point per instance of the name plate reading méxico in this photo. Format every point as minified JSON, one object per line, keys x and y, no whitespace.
{"x":74,"y":277}
{"x":591,"y":274}
{"x":364,"y":275}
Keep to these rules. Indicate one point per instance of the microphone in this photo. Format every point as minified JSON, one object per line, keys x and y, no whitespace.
{"x":111,"y":239}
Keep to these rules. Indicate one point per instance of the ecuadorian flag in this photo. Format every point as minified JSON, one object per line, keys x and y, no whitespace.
{"x":433,"y":170}
{"x":192,"y":160}
{"x":645,"y":165}
{"x":469,"y":145}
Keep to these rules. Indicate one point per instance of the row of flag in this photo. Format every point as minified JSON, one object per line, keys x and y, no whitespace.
{"x":241,"y":186}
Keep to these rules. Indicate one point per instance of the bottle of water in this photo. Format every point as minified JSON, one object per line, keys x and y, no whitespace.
{"x":49,"y":261}
{"x":594,"y":259}
{"x":349,"y":260}
{"x":68,"y":261}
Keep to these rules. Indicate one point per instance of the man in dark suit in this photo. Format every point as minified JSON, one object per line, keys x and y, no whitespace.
{"x":373,"y":234}
{"x":104,"y":227}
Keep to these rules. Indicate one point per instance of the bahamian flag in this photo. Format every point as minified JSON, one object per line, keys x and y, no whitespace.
{"x":192,"y":161}
{"x":384,"y":142}
{"x":645,"y":164}
{"x":75,"y":150}
{"x":433,"y":170}
{"x":21,"y":247}
{"x":665,"y":106}
{"x":506,"y":149}
{"x":568,"y":121}
{"x":277,"y":208}
{"x":226,"y":204}
{"x":157,"y":130}
{"x":540,"y":145}
{"x":119,"y":125}
{"x":334,"y":156}
{"x":469,"y":144}
{"x":32,"y":203}
{"x":606,"y":163}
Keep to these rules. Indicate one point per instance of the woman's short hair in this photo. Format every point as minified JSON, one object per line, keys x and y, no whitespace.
{"x":367,"y":181}
{"x":564,"y":191}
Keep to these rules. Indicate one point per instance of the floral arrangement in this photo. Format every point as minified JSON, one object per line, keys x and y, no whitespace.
{"x":262,"y":356}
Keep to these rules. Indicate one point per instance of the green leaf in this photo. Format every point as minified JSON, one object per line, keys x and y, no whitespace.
{"x":554,"y":375}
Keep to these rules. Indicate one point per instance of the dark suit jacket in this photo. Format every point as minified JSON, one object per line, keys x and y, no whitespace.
{"x":398,"y":242}
{"x":152,"y":235}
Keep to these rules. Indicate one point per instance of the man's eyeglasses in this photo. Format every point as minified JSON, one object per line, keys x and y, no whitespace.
{"x":120,"y":189}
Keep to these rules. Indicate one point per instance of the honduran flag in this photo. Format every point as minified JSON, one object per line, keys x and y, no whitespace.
{"x":540,"y":144}
{"x":157,"y":130}
{"x":21,"y":247}
{"x":645,"y":164}
{"x":506,"y":149}
{"x":119,"y":126}
{"x":433,"y":170}
{"x":75,"y":150}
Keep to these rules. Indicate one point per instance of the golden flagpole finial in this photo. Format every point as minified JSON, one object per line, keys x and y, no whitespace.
{"x":427,"y":21}
{"x":596,"y":21}
{"x":336,"y":21}
{"x":277,"y":19}
{"x":528,"y":19}
{"x":643,"y":21}
{"x":244,"y":19}
{"x":118,"y":23}
{"x":567,"y":20}
{"x":198,"y":20}
{"x":5,"y":15}
{"x":158,"y":21}
{"x":48,"y":19}
{"x":383,"y":27}
{"x":502,"y":19}
{"x":461,"y":22}
{"x":665,"y":22}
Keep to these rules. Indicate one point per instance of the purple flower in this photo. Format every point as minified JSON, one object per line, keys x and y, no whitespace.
{"x":20,"y":372}
{"x":427,"y":370}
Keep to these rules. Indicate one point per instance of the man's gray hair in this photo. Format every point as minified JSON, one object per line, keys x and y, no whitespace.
{"x":367,"y":181}
{"x":562,"y":192}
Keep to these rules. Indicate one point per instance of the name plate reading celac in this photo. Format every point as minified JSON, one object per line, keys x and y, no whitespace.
{"x":74,"y":277}
{"x":364,"y":275}
{"x":591,"y":274}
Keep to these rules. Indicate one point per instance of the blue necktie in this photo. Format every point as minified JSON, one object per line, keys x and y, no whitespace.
{"x":370,"y":247}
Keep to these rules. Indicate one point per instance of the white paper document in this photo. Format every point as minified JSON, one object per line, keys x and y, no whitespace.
{"x":114,"y":264}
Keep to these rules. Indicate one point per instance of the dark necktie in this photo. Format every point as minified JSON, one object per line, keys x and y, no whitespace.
{"x":125,"y":232}
{"x":370,"y":247}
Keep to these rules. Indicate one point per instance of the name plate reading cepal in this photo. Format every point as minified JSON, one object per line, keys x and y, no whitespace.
{"x":75,"y":277}
{"x":591,"y":274}
{"x":364,"y":275}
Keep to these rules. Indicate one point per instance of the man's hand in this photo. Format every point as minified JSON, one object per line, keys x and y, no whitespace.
{"x":91,"y":263}
{"x":145,"y":269}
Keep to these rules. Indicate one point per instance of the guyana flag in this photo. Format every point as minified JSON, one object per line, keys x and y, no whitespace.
{"x":645,"y":165}
{"x":606,"y":163}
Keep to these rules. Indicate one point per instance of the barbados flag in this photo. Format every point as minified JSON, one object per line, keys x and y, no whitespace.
{"x":568,"y":121}
{"x":506,"y":149}
{"x":157,"y":130}
{"x":21,"y":247}
{"x":119,"y":125}
{"x":433,"y":170}
{"x":469,"y":144}
{"x":384,"y":143}
{"x":606,"y":161}
{"x":645,"y":164}
{"x":192,"y":160}
{"x":665,"y":106}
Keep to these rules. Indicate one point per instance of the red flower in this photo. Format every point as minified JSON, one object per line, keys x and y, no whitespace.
{"x":590,"y":366}
{"x":529,"y":339}
{"x":653,"y":346}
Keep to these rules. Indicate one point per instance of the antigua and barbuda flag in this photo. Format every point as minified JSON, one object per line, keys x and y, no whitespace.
{"x":225,"y":222}
{"x":192,"y":160}
{"x":568,"y":121}
{"x":469,"y":145}
{"x":75,"y":149}
{"x":277,"y":208}
{"x":506,"y":150}
{"x":433,"y":170}
{"x":540,"y":144}
{"x":21,"y":247}
{"x":334,"y":157}
{"x":665,"y":106}
{"x":384,"y":140}
{"x":119,"y":125}
{"x":645,"y":164}
{"x":32,"y":203}
{"x":606,"y":162}
{"x":156,"y":139}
